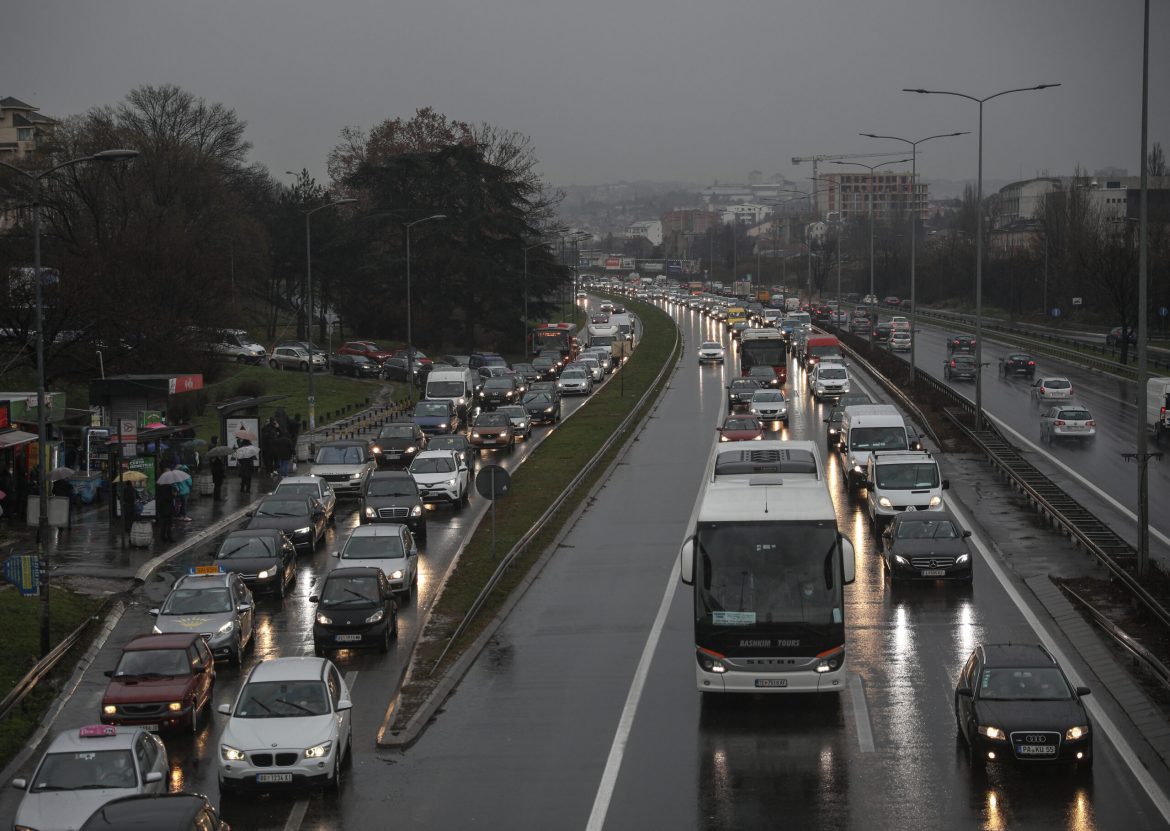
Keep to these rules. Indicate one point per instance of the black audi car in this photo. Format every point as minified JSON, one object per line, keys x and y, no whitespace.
{"x":300,"y":517}
{"x":392,"y":496}
{"x":1018,"y":363}
{"x":355,"y":609}
{"x":1014,"y":705}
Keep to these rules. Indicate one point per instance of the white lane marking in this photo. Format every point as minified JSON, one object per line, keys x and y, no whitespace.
{"x":861,"y":713}
{"x":301,"y":806}
{"x":1102,"y":719}
{"x":1068,"y":470}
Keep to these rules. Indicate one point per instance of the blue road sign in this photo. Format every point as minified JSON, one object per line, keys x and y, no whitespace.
{"x":1162,"y":312}
{"x":22,"y":571}
{"x":1056,"y":311}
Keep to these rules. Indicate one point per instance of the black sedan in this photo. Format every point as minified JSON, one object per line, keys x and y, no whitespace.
{"x":527,"y":372}
{"x":740,"y":391}
{"x":398,"y":443}
{"x":355,"y":609}
{"x":392,"y":496}
{"x":464,"y":453}
{"x":926,"y":545}
{"x":300,"y":517}
{"x":356,"y":366}
{"x":547,"y":367}
{"x":1013,"y":703}
{"x":542,"y":408}
{"x":961,"y":343}
{"x":881,"y":332}
{"x":959,"y":367}
{"x":1018,"y":363}
{"x":265,"y":559}
{"x":498,"y":391}
{"x":765,"y":376}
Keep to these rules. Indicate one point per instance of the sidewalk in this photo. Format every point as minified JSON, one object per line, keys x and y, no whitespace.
{"x":94,"y":557}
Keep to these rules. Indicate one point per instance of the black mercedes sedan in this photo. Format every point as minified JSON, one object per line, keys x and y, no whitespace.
{"x":1014,"y":704}
{"x":926,"y":545}
{"x":398,"y":443}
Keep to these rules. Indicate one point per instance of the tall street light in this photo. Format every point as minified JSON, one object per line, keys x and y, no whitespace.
{"x":409,"y":330}
{"x":871,"y":168}
{"x":807,"y":236}
{"x":309,"y":303}
{"x":979,"y":235}
{"x":528,"y":248}
{"x":913,"y":227}
{"x":34,"y":178}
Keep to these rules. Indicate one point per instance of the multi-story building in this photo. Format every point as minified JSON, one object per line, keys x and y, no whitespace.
{"x":1023,"y":200}
{"x":22,"y":128}
{"x":747,"y":213}
{"x":649,"y":229}
{"x":678,"y":226}
{"x":891,"y":192}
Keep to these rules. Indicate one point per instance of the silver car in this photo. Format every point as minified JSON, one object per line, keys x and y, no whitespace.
{"x":575,"y":381}
{"x":346,"y":464}
{"x":769,"y":405}
{"x":215,"y":605}
{"x":593,"y":366}
{"x":1051,"y":388}
{"x":521,"y":421}
{"x":1068,"y":421}
{"x":295,"y":357}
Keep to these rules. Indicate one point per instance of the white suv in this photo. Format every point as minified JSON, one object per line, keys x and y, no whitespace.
{"x":829,"y":379}
{"x":290,"y":725}
{"x":902,"y":481}
{"x":441,"y":477}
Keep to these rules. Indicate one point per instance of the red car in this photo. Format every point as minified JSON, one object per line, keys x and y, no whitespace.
{"x":892,"y":301}
{"x":366,"y":348}
{"x":162,"y":682}
{"x":740,"y":428}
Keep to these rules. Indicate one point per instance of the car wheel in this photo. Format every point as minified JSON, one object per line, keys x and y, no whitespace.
{"x":422,"y":532}
{"x":319,"y":650}
{"x":975,"y":759}
{"x":466,"y":497}
{"x":394,"y":624}
{"x":404,"y":596}
{"x":280,"y":587}
{"x":384,"y":645}
{"x":273,"y":365}
{"x":197,"y":716}
{"x":240,"y":359}
{"x":237,"y":656}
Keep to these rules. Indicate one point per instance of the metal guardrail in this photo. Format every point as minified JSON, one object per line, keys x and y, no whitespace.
{"x":538,"y":526}
{"x":44,"y":666}
{"x":1152,"y":665}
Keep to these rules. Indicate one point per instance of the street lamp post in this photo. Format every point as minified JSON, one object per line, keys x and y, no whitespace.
{"x":42,"y":422}
{"x":409,"y":330}
{"x":871,"y":168}
{"x":807,"y":236}
{"x":979,"y":235}
{"x":309,"y":303}
{"x":528,"y":248}
{"x":913,"y":228}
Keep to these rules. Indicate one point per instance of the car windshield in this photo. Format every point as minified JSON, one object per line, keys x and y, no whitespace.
{"x":445,"y":389}
{"x":907,"y":476}
{"x":1024,"y":684}
{"x":744,"y":384}
{"x":927,"y":529}
{"x":1056,"y":384}
{"x":85,"y":770}
{"x":447,"y":443}
{"x":574,"y":374}
{"x":434,"y":464}
{"x":543,"y":363}
{"x":281,"y":508}
{"x":832,"y":373}
{"x":538,"y":398}
{"x":247,"y":547}
{"x":822,"y":352}
{"x":710,"y":344}
{"x":350,"y":455}
{"x":198,"y":601}
{"x":137,"y":663}
{"x":513,"y":412}
{"x":350,"y":591}
{"x":384,"y":547}
{"x":491,"y":420}
{"x":397,"y":431}
{"x":282,"y":699}
{"x":391,"y":486}
{"x":767,"y":396}
{"x":877,"y":438}
{"x":298,"y":489}
{"x":1074,"y":415}
{"x":498,"y":384}
{"x":762,"y":372}
{"x":741,"y":424}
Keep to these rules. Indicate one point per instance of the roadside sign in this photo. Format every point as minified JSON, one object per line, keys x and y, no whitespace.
{"x":492,"y":482}
{"x":1162,"y":312}
{"x":1056,"y":311}
{"x":24,"y":571}
{"x":1077,"y":301}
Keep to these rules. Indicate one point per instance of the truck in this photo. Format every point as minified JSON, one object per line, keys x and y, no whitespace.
{"x":769,"y":567}
{"x":1158,"y":407}
{"x":763,"y":296}
{"x":742,"y":288}
{"x":602,"y":334}
{"x":792,"y":304}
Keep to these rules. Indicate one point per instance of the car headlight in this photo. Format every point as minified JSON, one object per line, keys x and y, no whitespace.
{"x":397,"y":574}
{"x":724,"y":438}
{"x":475,"y":435}
{"x":324,"y":620}
{"x":357,"y":475}
{"x":376,"y":616}
{"x":154,"y":630}
{"x":507,"y":395}
{"x":411,"y":449}
{"x":416,"y":510}
{"x":450,"y":483}
{"x":230,"y":754}
{"x":885,"y":502}
{"x":109,"y":709}
{"x":175,"y":706}
{"x":263,"y":575}
{"x":376,"y":450}
{"x":1074,"y":733}
{"x":935,"y":501}
{"x":845,"y":387}
{"x":548,"y":409}
{"x":443,"y":426}
{"x":319,"y":751}
{"x":962,"y":558}
{"x":480,"y":393}
{"x":227,"y":627}
{"x":301,"y":532}
{"x":820,"y":387}
{"x":900,"y":560}
{"x":856,"y":468}
{"x":833,"y":431}
{"x":757,"y":438}
{"x":371,"y":512}
{"x":992,"y":733}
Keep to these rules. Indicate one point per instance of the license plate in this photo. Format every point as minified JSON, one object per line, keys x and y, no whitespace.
{"x":933,"y":572}
{"x":1036,"y":749}
{"x":489,"y":441}
{"x":266,"y":778}
{"x":149,"y":728}
{"x":347,"y":638}
{"x":771,"y":682}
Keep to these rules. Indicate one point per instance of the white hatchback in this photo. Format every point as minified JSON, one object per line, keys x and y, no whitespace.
{"x":1051,"y":388}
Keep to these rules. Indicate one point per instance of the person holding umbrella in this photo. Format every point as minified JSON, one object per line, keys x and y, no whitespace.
{"x":216,"y":460}
{"x":246,"y":454}
{"x":164,"y":504}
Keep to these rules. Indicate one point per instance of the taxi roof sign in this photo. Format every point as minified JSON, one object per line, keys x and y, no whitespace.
{"x":205,"y":570}
{"x":97,"y":731}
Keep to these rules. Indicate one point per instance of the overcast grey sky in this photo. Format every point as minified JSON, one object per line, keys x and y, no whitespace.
{"x":627,"y":89}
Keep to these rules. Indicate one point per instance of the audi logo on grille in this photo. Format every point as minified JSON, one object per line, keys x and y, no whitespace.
{"x":1035,"y":738}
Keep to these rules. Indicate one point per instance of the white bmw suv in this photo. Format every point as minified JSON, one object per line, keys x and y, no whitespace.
{"x":290,"y":726}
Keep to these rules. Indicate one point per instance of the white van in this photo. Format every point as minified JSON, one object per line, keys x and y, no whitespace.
{"x":902,"y":481}
{"x":866,"y":428}
{"x":624,"y":323}
{"x":456,"y":385}
{"x":1158,"y":406}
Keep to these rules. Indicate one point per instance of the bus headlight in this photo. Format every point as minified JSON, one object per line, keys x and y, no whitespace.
{"x":832,"y":660}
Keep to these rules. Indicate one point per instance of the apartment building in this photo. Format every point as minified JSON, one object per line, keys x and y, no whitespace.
{"x":22,"y":128}
{"x":892,"y":194}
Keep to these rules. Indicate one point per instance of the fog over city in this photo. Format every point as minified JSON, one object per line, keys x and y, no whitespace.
{"x":608,"y":91}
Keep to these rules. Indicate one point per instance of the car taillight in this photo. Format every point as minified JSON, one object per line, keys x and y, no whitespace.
{"x":1043,"y":391}
{"x":1031,"y":363}
{"x":952,"y":363}
{"x":1059,"y":422}
{"x":1090,"y":423}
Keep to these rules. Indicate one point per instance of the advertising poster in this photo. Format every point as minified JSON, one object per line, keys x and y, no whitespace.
{"x":235,"y":425}
{"x":145,"y":487}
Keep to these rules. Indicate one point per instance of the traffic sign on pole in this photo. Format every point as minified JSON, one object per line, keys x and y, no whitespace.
{"x":24,"y":571}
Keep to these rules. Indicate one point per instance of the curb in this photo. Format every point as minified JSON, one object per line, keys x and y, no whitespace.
{"x":148,"y":568}
{"x":408,"y":735}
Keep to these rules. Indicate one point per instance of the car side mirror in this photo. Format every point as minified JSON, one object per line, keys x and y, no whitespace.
{"x":966,"y":534}
{"x":20,"y":784}
{"x":344,"y":704}
{"x":248,"y":514}
{"x":314,"y":598}
{"x":225,"y":709}
{"x":244,"y":607}
{"x":152,"y":612}
{"x":946,"y":484}
{"x":154,"y":776}
{"x":1083,"y":691}
{"x":109,"y":673}
{"x":965,"y":692}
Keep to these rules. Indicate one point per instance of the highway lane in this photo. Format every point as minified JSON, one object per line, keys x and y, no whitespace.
{"x":525,"y":739}
{"x":1108,"y":399}
{"x":284,"y":629}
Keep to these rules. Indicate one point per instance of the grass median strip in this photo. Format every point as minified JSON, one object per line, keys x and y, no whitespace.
{"x":535,"y":486}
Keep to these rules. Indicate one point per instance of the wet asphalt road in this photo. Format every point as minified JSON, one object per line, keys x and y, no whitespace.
{"x":524,"y":741}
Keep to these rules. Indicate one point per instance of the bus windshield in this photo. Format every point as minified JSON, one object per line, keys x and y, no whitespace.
{"x":754,"y":574}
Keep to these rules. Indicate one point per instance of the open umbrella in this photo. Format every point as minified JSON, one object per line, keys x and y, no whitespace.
{"x":193,"y":443}
{"x":61,"y":473}
{"x":131,"y":476}
{"x":248,"y":451}
{"x":173,"y":476}
{"x":245,"y":434}
{"x":217,"y":451}
{"x":154,"y":425}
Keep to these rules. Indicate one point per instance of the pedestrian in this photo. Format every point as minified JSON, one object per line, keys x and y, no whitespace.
{"x":247,"y":467}
{"x":282,"y":448}
{"x":268,"y":434}
{"x":182,"y":491}
{"x":129,"y":498}
{"x":218,"y":474}
{"x":64,"y":488}
{"x":164,"y":508}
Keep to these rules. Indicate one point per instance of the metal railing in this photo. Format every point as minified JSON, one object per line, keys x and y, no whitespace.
{"x":1146,"y":658}
{"x":44,"y":666}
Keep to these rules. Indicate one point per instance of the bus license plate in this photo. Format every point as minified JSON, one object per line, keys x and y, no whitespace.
{"x":771,"y":682}
{"x":933,"y":572}
{"x":266,"y":778}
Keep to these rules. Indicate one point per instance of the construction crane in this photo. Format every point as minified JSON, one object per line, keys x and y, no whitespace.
{"x":816,"y":160}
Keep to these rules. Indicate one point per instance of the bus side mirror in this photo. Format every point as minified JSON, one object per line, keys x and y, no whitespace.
{"x":848,"y":561}
{"x":686,"y":561}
